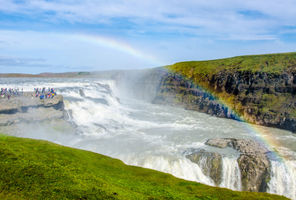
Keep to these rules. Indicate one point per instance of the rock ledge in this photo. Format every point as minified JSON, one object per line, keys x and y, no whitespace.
{"x":29,"y":108}
{"x":253,"y":161}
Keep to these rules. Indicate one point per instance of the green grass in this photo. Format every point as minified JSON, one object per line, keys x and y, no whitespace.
{"x":272,"y":63}
{"x":34,"y":169}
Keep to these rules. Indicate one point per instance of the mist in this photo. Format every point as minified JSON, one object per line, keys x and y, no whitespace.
{"x":113,"y":114}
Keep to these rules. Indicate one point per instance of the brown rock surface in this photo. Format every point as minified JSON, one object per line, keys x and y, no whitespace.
{"x":210,"y":163}
{"x":253,"y":162}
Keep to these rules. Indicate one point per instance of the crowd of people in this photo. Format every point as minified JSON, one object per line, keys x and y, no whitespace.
{"x":9,"y":92}
{"x":42,"y":93}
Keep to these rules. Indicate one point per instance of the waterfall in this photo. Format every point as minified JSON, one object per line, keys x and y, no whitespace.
{"x":283,"y":178}
{"x":231,"y":177}
{"x":181,"y":168}
{"x":149,"y":135}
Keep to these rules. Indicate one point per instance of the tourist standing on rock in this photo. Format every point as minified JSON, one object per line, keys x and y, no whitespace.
{"x":2,"y":93}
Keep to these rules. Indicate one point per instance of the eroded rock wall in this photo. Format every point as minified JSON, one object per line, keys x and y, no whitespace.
{"x":260,"y":98}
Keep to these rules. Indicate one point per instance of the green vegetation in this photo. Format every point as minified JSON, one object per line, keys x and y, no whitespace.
{"x":260,"y":103}
{"x":271,"y":63}
{"x":33,"y":169}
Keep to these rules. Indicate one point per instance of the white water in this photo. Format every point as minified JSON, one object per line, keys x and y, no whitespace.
{"x":139,"y":133}
{"x":283,"y":179}
{"x":231,"y":174}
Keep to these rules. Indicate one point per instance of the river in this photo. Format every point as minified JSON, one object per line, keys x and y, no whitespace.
{"x":107,"y":120}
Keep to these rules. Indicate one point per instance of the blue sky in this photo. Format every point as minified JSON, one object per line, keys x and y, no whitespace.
{"x":89,"y":35}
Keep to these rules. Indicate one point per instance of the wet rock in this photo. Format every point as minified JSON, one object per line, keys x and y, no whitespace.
{"x":255,"y":172}
{"x":253,"y":162}
{"x":81,"y":93}
{"x":106,"y":88}
{"x":210,"y":163}
{"x":219,"y":142}
{"x":245,"y":146}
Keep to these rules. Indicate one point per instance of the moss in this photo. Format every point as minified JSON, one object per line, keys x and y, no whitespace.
{"x":293,"y":113}
{"x":34,"y":169}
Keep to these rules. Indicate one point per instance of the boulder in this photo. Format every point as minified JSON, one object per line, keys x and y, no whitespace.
{"x":253,"y":162}
{"x":255,"y":172}
{"x":219,"y":142}
{"x":245,"y":146}
{"x":209,"y":162}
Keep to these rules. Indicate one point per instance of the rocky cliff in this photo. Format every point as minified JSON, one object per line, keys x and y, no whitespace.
{"x":232,"y":89}
{"x":253,"y":162}
{"x":29,"y":109}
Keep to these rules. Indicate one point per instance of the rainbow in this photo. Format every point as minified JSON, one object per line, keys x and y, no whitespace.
{"x":119,"y":46}
{"x":264,"y":137}
{"x":259,"y":132}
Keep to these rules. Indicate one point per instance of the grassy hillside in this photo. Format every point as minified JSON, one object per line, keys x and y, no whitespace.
{"x":271,"y":63}
{"x":33,"y":169}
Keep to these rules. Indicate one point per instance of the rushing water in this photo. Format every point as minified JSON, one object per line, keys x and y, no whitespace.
{"x":106,"y":120}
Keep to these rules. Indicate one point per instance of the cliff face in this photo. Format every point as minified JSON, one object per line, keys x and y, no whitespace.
{"x":175,"y":89}
{"x":261,"y":98}
{"x":258,"y":96}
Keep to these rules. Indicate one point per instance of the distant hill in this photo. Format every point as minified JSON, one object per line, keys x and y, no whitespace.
{"x":66,"y":74}
{"x":96,"y":74}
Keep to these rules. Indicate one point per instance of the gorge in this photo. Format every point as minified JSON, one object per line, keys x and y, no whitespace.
{"x":139,"y":118}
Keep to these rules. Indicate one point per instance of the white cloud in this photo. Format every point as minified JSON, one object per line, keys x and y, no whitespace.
{"x":215,"y":17}
{"x":173,"y":30}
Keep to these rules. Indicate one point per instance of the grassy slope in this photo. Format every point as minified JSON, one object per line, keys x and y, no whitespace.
{"x":272,"y":63}
{"x":33,"y":169}
{"x":201,"y":71}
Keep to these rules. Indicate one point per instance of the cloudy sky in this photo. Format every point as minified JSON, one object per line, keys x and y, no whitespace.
{"x":89,"y":35}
